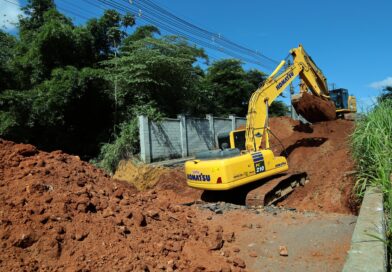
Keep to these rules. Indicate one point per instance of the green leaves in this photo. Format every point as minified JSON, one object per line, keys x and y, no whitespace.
{"x":229,"y":87}
{"x":153,"y":69}
{"x":386,"y":94}
{"x":7,"y":52}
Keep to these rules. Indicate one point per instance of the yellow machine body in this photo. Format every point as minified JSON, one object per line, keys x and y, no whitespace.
{"x":252,"y":159}
{"x":228,"y":173}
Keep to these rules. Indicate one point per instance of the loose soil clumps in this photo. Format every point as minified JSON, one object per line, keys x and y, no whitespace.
{"x":61,"y":213}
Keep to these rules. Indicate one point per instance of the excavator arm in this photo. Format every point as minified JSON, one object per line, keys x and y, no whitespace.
{"x":257,"y":118}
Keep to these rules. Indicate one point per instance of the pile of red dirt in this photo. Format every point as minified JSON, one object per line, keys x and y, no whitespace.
{"x":146,"y":176}
{"x":321,"y":150}
{"x":315,"y":109}
{"x":60,"y":213}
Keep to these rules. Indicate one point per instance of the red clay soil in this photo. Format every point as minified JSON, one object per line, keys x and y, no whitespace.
{"x":321,"y":150}
{"x":315,"y":109}
{"x":60,"y":213}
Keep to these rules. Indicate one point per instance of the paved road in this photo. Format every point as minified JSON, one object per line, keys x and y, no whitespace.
{"x":315,"y":241}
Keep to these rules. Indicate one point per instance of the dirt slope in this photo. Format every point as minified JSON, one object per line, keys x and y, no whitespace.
{"x":322,"y":150}
{"x":60,"y":213}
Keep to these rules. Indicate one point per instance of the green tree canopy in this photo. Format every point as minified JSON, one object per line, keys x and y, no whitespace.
{"x":386,"y":93}
{"x":158,"y":71}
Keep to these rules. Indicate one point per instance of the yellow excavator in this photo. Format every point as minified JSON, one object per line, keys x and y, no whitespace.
{"x":246,"y":156}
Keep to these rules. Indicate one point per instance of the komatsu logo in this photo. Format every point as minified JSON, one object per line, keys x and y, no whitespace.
{"x":198,"y":176}
{"x":286,"y":78}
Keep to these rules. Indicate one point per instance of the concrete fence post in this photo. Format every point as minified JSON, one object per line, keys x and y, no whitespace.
{"x":145,"y":139}
{"x":232,"y":118}
{"x":183,"y":135}
{"x":210,"y":119}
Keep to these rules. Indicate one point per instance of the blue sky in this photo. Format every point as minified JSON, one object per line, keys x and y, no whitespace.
{"x":349,"y":40}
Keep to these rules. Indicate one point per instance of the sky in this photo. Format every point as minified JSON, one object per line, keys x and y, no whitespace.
{"x":349,"y":40}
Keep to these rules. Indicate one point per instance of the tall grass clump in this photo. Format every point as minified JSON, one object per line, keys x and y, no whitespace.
{"x":372,"y":150}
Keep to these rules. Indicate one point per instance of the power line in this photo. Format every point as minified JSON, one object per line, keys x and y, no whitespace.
{"x":164,"y":15}
{"x":199,"y":36}
{"x":151,"y":13}
{"x":210,"y":34}
{"x":179,"y":30}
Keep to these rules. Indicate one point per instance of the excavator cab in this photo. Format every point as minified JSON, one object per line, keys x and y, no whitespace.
{"x":344,"y":102}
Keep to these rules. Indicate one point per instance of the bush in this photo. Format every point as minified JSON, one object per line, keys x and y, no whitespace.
{"x":126,"y":143}
{"x":124,"y":146}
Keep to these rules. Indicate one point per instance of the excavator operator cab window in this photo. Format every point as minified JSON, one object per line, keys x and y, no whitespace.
{"x":239,"y":139}
{"x":340,"y":98}
{"x":226,"y":140}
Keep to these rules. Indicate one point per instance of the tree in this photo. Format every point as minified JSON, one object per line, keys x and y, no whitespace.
{"x":386,"y":93}
{"x":58,"y":99}
{"x":228,"y":87}
{"x":34,"y":16}
{"x":108,"y":33}
{"x":7,"y":45}
{"x":155,"y":71}
{"x":278,"y":108}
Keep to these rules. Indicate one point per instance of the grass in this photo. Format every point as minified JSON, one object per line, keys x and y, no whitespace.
{"x":372,"y":150}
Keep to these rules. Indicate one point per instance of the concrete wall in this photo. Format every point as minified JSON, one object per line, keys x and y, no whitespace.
{"x":183,"y":136}
{"x":368,"y":251}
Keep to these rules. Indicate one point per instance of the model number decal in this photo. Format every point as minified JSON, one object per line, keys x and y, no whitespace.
{"x":259,"y":167}
{"x":258,"y":161}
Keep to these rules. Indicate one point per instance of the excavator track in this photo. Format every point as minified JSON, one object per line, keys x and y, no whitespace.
{"x":275,"y":189}
{"x":260,"y":193}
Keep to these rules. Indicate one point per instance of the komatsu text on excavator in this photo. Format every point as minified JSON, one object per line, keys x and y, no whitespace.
{"x":245,"y":155}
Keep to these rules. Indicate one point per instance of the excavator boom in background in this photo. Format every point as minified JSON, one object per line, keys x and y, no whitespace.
{"x":246,"y":156}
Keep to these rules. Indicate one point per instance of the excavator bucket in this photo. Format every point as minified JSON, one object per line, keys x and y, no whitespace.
{"x":313,"y":108}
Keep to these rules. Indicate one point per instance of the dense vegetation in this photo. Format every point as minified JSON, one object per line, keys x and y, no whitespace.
{"x":74,"y":88}
{"x":372,"y":149}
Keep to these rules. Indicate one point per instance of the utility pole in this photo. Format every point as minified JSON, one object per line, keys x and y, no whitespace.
{"x":292,"y":110}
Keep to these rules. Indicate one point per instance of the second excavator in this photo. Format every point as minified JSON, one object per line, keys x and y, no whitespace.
{"x":246,"y":157}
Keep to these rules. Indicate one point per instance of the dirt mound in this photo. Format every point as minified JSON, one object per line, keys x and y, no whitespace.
{"x":60,"y":213}
{"x":141,"y":176}
{"x":322,"y":150}
{"x":160,"y":178}
{"x":315,"y":109}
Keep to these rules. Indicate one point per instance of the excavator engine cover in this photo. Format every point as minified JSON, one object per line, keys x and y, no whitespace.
{"x":229,"y":169}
